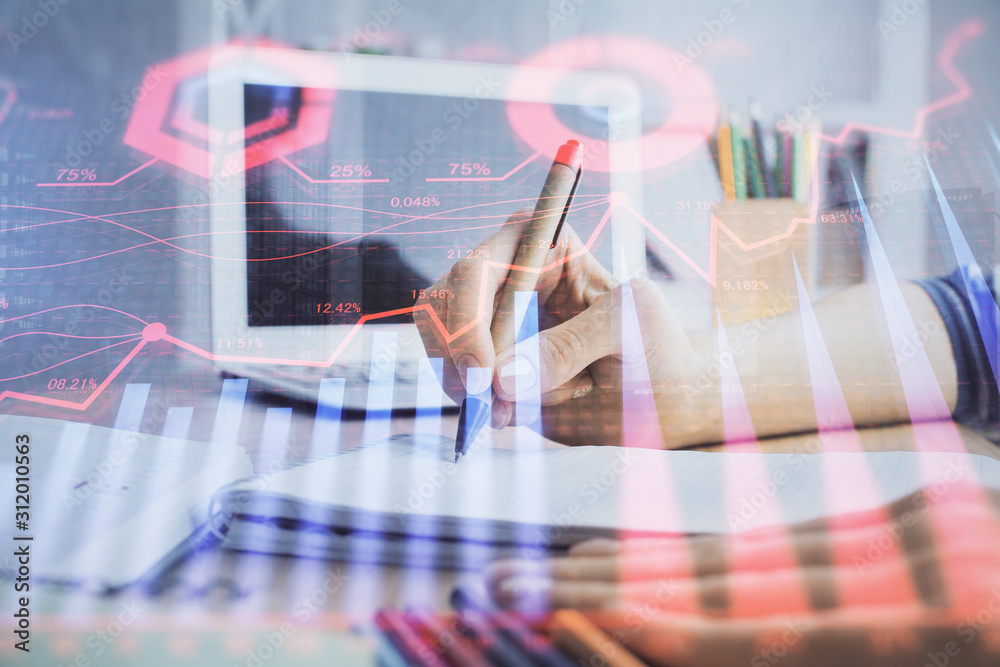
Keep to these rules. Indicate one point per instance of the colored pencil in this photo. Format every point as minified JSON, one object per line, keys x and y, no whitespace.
{"x":785,"y":151}
{"x":576,"y":635}
{"x":725,"y":143}
{"x":753,"y":169}
{"x":739,"y":156}
{"x":406,"y":639}
{"x":766,"y":176}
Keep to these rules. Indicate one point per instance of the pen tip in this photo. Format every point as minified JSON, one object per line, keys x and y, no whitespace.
{"x":458,"y":455}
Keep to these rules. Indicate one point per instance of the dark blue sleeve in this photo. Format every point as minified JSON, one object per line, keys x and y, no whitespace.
{"x":966,"y":300}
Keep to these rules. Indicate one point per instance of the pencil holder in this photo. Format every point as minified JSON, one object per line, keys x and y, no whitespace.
{"x":756,"y":243}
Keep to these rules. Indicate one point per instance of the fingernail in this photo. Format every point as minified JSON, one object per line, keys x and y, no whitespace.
{"x":501,"y":414}
{"x":516,"y":373}
{"x":477,"y":378}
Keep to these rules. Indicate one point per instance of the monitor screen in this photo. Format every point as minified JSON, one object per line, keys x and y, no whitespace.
{"x":403,"y":186}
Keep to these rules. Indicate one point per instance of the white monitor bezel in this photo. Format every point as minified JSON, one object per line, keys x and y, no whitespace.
{"x":245,"y":65}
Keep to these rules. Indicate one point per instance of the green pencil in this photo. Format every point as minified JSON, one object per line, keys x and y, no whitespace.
{"x":756,"y":176}
{"x":739,"y":154}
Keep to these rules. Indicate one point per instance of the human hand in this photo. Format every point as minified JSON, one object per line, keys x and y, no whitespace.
{"x":919,"y":582}
{"x":580,"y":341}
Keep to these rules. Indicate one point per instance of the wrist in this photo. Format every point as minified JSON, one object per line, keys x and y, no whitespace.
{"x":691,"y":410}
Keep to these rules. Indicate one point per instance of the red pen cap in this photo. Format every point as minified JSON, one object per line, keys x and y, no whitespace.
{"x":570,"y":154}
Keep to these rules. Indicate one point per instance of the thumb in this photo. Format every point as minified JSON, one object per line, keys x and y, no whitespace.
{"x":563,"y":351}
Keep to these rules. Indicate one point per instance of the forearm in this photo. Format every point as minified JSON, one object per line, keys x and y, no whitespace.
{"x":770,"y":358}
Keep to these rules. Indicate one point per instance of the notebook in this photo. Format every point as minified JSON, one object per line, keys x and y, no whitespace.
{"x":405,"y":500}
{"x":106,"y":506}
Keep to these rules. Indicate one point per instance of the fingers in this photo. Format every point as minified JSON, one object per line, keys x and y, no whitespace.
{"x":615,"y":582}
{"x":564,"y":352}
{"x":453,"y":315}
{"x":859,"y":638}
{"x":596,"y":547}
{"x":579,"y":387}
{"x":474,"y":284}
{"x":860,"y":565}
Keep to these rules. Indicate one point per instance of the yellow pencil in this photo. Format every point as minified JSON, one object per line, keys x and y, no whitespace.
{"x":726,"y":172}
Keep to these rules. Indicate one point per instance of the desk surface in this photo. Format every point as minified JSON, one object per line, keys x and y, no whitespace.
{"x":227,"y":585}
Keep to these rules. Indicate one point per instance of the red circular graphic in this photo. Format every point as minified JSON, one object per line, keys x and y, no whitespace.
{"x":693,"y":110}
{"x":155,"y":108}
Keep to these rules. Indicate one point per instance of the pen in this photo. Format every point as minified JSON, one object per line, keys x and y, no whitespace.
{"x":540,"y":237}
{"x":786,"y":163}
{"x":513,"y":628}
{"x":472,"y":416}
{"x":739,"y":155}
{"x":579,"y":637}
{"x":498,"y":649}
{"x":758,"y":148}
{"x":454,"y":647}
{"x":406,"y":640}
{"x":725,"y":143}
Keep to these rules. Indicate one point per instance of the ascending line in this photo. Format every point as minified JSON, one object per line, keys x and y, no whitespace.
{"x":91,"y":185}
{"x":332,"y":180}
{"x":486,"y":178}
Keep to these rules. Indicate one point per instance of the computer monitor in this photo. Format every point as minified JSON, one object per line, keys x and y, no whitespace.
{"x":343,"y":185}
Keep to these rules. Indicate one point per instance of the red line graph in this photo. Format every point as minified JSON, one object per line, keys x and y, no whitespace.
{"x":510,"y":173}
{"x":94,"y":185}
{"x":154,"y":240}
{"x":157,"y":331}
{"x":946,"y":63}
{"x":331,"y":180}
